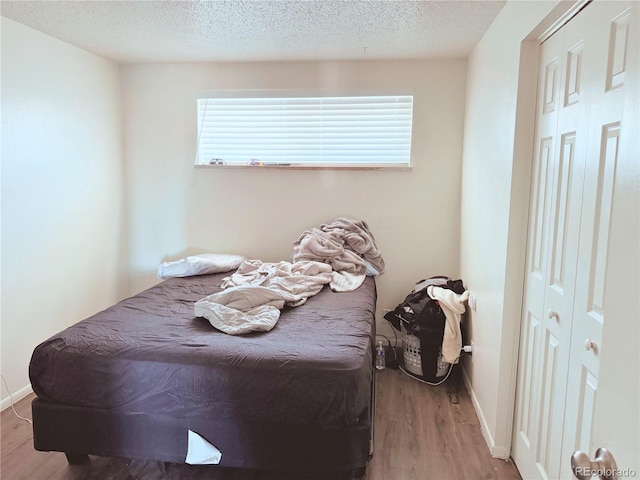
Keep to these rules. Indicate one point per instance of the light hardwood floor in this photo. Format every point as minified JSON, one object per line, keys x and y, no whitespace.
{"x":421,"y":433}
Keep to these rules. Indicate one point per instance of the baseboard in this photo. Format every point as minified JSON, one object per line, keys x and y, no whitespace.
{"x":497,"y":451}
{"x":17,"y":396}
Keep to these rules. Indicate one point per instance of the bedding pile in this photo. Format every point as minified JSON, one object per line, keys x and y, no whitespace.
{"x":253,"y":296}
{"x":345,"y":244}
{"x":341,"y":253}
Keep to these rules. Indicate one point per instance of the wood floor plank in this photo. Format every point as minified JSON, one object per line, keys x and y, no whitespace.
{"x":422,"y":432}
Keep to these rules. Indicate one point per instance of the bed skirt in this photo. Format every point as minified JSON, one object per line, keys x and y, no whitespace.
{"x":145,"y":436}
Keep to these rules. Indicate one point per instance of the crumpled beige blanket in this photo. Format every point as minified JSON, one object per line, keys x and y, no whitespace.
{"x":254,"y":295}
{"x":345,"y":244}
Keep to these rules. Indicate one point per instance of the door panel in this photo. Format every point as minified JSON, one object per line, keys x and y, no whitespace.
{"x":560,"y":219}
{"x":616,"y":417}
{"x":608,"y":61}
{"x":538,"y":343}
{"x":546,"y":449}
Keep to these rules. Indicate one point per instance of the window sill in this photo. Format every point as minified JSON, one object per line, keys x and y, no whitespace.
{"x":402,"y":168}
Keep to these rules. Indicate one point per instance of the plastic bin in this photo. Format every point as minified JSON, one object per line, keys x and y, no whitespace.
{"x":411,"y":353}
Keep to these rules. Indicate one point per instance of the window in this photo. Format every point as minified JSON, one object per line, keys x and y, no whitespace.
{"x":305,"y":131}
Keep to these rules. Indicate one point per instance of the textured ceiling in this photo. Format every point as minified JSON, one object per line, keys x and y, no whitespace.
{"x":239,"y":30}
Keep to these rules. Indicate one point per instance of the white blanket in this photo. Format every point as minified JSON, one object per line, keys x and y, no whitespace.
{"x":257,"y":291}
{"x":345,"y":244}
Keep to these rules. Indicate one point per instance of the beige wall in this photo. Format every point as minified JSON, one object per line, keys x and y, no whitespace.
{"x":62,"y":202}
{"x":177,"y":209}
{"x":495,"y":184}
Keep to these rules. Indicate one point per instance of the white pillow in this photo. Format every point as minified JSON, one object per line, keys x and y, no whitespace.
{"x":200,"y":265}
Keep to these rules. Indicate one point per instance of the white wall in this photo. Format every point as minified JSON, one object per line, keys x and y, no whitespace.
{"x":495,"y":184}
{"x":62,"y":192}
{"x":177,"y":209}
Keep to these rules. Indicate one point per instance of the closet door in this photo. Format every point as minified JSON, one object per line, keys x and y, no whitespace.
{"x":556,"y":204}
{"x":582,"y":87}
{"x":527,"y":411}
{"x":606,"y":169}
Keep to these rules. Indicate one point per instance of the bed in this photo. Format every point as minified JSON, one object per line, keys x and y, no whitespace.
{"x":133,"y":380}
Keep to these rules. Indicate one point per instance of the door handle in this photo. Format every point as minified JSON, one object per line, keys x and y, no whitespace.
{"x":553,"y":314}
{"x":604,"y":465}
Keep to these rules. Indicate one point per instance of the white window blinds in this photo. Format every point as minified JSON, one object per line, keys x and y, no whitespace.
{"x":305,"y":131}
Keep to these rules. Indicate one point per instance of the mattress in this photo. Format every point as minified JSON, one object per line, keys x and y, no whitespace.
{"x":150,"y":354}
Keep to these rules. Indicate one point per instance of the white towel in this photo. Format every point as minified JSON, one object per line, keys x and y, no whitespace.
{"x":453,"y":307}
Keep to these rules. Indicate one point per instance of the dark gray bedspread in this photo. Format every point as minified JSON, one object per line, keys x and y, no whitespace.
{"x":149,"y":353}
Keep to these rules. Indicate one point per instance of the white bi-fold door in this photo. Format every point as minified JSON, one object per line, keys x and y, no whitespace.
{"x":587,"y":70}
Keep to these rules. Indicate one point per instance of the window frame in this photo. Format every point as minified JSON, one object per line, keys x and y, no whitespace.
{"x":298,"y":94}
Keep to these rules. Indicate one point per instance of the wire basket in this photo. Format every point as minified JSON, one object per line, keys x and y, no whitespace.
{"x":411,"y":352}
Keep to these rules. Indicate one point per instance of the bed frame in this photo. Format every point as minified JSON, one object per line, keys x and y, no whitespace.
{"x":64,"y":425}
{"x":79,"y":432}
